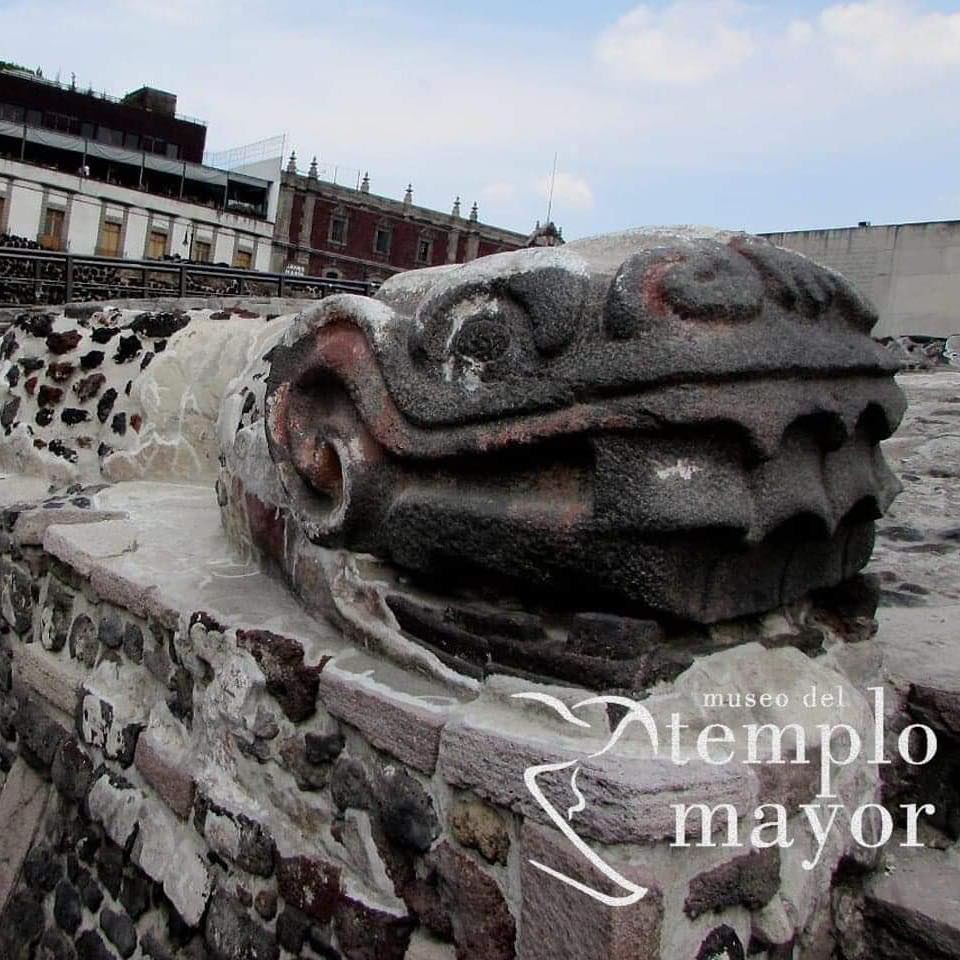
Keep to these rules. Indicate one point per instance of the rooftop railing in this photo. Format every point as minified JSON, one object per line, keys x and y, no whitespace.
{"x":40,"y":277}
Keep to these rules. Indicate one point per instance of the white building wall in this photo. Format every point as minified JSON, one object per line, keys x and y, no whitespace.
{"x":31,"y":185}
{"x":83,"y":226}
{"x":223,"y":252}
{"x":24,"y":209}
{"x":910,"y":271}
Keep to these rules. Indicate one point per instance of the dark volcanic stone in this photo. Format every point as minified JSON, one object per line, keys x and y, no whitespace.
{"x":60,"y":343}
{"x":350,"y":785}
{"x":89,"y":890}
{"x":406,"y":810}
{"x":54,"y":945}
{"x":90,"y":946}
{"x":232,"y":935}
{"x":750,"y":880}
{"x":136,"y":421}
{"x":110,"y":631}
{"x":21,"y":926}
{"x":44,"y":417}
{"x":31,"y":364}
{"x":721,"y":943}
{"x":39,"y":736}
{"x":128,"y":348}
{"x":72,"y":770}
{"x":120,"y":931}
{"x":155,"y":325}
{"x":67,"y":910}
{"x":292,"y":927}
{"x":60,"y":449}
{"x":13,"y":375}
{"x":104,"y":334}
{"x":105,"y":404}
{"x":310,"y":884}
{"x":89,"y":387}
{"x":110,"y":867}
{"x":72,"y":416}
{"x":30,"y":385}
{"x":135,"y":894}
{"x":145,"y":362}
{"x":9,"y":345}
{"x":133,"y":642}
{"x":36,"y":324}
{"x":60,"y":372}
{"x":323,"y":748}
{"x":9,"y":412}
{"x":365,"y":933}
{"x":289,"y":680}
{"x":48,"y":396}
{"x":92,"y":359}
{"x":119,"y":424}
{"x":42,"y":868}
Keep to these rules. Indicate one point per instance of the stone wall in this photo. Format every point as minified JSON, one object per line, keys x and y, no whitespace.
{"x":235,"y":780}
{"x":908,"y":270}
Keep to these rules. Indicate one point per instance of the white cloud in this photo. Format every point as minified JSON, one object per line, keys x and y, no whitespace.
{"x":498,"y":193}
{"x":569,"y":191}
{"x":685,"y":44}
{"x":887,"y":34}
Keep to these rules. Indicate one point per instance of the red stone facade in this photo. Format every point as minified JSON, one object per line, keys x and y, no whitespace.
{"x":336,"y":231}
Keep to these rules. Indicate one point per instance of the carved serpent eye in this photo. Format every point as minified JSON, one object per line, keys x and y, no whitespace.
{"x":482,"y":338}
{"x":700,"y":281}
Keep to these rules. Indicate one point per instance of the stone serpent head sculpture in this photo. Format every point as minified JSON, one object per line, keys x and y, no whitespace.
{"x":657,"y":427}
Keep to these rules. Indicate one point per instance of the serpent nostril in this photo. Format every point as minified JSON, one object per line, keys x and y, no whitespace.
{"x":319,"y":464}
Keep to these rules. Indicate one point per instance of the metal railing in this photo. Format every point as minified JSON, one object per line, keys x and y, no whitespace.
{"x":40,"y":277}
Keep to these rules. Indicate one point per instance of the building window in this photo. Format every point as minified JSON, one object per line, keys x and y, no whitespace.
{"x":109,"y":245}
{"x":381,"y":241}
{"x":156,"y":245}
{"x":338,"y":230}
{"x":331,"y":274}
{"x":424,"y":250}
{"x":131,"y":141}
{"x":52,"y":236}
{"x":201,"y":251}
{"x":243,"y":259}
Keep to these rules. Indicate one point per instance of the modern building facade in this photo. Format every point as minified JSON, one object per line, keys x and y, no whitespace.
{"x":90,"y":175}
{"x":329,"y":230}
{"x":910,"y":271}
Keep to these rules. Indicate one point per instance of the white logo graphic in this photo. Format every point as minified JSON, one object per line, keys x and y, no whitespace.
{"x":636,"y":713}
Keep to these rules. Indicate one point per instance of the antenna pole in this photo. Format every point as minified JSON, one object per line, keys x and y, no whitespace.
{"x":553,"y":178}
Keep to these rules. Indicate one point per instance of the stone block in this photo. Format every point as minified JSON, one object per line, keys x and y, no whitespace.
{"x":72,"y":770}
{"x":310,"y":884}
{"x":407,"y":728}
{"x":288,"y":678}
{"x":120,"y":931}
{"x":479,"y":827}
{"x":161,"y":757}
{"x":232,"y":935}
{"x":116,"y":804}
{"x":483,"y":927}
{"x":38,"y":735}
{"x":624,"y":795}
{"x":366,"y":932}
{"x":561,"y":923}
{"x":750,"y":880}
{"x":55,"y":680}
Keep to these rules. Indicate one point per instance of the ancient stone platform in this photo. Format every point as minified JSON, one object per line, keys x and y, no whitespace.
{"x":220,"y":743}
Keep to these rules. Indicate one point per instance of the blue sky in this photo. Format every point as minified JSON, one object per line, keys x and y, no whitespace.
{"x":762,"y":116}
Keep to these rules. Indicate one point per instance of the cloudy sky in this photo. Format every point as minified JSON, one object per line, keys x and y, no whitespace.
{"x":762,"y":116}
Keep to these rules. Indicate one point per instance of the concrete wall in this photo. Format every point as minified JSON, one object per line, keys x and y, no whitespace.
{"x":29,"y":191}
{"x":910,"y":271}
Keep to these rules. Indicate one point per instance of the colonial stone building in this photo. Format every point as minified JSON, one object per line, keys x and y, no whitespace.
{"x":326,"y":229}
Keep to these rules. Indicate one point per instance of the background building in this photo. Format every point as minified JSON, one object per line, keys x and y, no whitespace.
{"x":342,"y":232}
{"x":911,"y":271}
{"x":89,"y":174}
